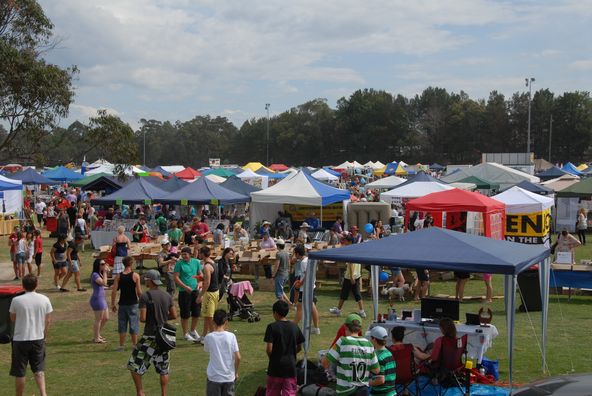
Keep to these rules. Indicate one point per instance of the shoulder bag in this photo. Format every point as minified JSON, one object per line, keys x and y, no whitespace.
{"x":166,"y":334}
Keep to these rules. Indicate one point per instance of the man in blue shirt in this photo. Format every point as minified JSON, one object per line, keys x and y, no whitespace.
{"x":313,"y":221}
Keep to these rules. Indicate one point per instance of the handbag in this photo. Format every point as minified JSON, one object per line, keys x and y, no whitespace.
{"x":166,"y":334}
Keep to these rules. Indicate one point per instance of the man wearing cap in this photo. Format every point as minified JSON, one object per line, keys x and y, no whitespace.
{"x":384,"y":383}
{"x":313,"y":221}
{"x":354,"y":359}
{"x":146,"y":351}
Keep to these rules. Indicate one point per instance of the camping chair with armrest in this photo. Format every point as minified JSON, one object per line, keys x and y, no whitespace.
{"x":447,"y":368}
{"x":405,"y":369}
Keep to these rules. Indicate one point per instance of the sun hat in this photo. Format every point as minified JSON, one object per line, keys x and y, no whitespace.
{"x":266,"y":223}
{"x":280,"y":241}
{"x":351,"y":318}
{"x":154,"y":276}
{"x":379,"y":333}
{"x":304,"y":225}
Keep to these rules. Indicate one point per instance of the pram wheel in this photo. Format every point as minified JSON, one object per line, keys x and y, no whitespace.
{"x":257,"y":318}
{"x":250,"y":320}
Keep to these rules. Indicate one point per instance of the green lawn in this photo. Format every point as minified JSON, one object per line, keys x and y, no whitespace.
{"x":76,"y":366}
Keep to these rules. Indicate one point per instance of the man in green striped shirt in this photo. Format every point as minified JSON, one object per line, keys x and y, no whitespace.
{"x":383,"y":384}
{"x":354,"y":359}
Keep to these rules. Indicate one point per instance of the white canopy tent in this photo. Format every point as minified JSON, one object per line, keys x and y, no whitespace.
{"x":323,"y":175}
{"x":11,"y":195}
{"x":216,"y":179}
{"x":254,"y":179}
{"x":378,"y":165}
{"x":369,"y":164}
{"x":518,"y":200}
{"x":357,"y":165}
{"x":386,"y":182}
{"x":344,"y":165}
{"x":413,"y":190}
{"x":492,"y":172}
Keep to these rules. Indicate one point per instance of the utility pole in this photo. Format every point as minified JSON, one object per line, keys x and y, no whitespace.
{"x":267,"y":145}
{"x":550,"y":135}
{"x":144,"y":156}
{"x":529,"y":82}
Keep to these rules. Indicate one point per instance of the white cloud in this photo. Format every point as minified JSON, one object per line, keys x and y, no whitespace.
{"x":83,"y":112}
{"x":581,"y":65}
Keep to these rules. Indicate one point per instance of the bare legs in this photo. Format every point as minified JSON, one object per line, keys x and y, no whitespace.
{"x":101,"y":317}
{"x":58,"y":274}
{"x":164,"y":382}
{"x":460,"y":288}
{"x":315,"y":314}
{"x":39,"y":379}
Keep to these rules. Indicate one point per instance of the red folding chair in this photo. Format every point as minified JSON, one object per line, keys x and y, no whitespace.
{"x":406,"y":371}
{"x":447,"y":367}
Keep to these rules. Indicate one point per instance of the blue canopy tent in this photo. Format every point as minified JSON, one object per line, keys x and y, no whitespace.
{"x":62,"y":174}
{"x":137,"y":191}
{"x":571,"y":168}
{"x":173,"y":184}
{"x":296,"y":189}
{"x":332,"y":172}
{"x":391,"y":168}
{"x":31,"y":177}
{"x":272,"y":175}
{"x":535,"y":188}
{"x":551,"y":173}
{"x":449,"y":251}
{"x":106,"y":183}
{"x":204,"y":191}
{"x":235,"y":184}
{"x":437,"y":167}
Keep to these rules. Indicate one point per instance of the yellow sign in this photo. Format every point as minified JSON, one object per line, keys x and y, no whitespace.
{"x":302,"y":212}
{"x":528,"y":227}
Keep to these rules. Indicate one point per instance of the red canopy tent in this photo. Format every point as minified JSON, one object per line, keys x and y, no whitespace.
{"x":454,"y":202}
{"x":188,"y":174}
{"x":278,"y":167}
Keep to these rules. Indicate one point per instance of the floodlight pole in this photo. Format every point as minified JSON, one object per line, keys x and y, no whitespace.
{"x":550,"y":135}
{"x":267,"y":145}
{"x":529,"y":82}
{"x":144,"y":156}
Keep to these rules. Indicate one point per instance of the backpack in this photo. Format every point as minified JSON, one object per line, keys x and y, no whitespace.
{"x":166,"y":334}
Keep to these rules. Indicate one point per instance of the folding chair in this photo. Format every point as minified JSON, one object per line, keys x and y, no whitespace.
{"x":447,"y":368}
{"x":406,"y":371}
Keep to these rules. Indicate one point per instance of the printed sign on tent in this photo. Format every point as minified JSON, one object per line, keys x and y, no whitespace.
{"x":530,"y":228}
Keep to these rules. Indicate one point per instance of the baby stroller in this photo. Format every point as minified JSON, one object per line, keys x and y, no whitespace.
{"x":241,"y":307}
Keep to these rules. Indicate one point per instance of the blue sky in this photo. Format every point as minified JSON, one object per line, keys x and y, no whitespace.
{"x":174,"y":59}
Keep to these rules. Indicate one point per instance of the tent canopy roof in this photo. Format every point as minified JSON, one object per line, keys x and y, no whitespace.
{"x":449,"y":251}
{"x":205,"y":191}
{"x":173,"y":184}
{"x":136,"y":191}
{"x":61,"y":173}
{"x":535,"y":188}
{"x":30,"y":176}
{"x":235,"y":184}
{"x":255,"y":166}
{"x":581,"y":189}
{"x":455,"y":200}
{"x":222,"y":172}
{"x":10,"y":184}
{"x":188,"y":174}
{"x":103,"y":182}
{"x":492,"y":172}
{"x":278,"y":167}
{"x":480,"y":183}
{"x":322,"y":174}
{"x":571,"y":168}
{"x":301,"y":189}
{"x":518,"y":200}
{"x":386,"y":182}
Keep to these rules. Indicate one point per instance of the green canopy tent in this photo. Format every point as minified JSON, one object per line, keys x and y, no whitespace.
{"x":480,"y":183}
{"x":86,"y":180}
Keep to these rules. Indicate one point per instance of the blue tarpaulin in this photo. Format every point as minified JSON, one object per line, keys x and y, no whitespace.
{"x":571,"y":168}
{"x":238,"y":186}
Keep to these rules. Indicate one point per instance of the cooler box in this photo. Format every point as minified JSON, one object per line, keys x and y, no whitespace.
{"x":529,"y":284}
{"x":7,"y":293}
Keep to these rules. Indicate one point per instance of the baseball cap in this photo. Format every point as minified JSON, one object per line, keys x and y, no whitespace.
{"x":379,"y":333}
{"x":154,"y":276}
{"x":351,"y":318}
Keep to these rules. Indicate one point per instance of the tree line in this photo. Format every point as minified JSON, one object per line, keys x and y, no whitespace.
{"x":434,"y":126}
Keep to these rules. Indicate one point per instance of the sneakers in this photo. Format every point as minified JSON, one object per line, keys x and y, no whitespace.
{"x":335,"y":311}
{"x":120,"y":349}
{"x":194,"y":334}
{"x":57,"y":286}
{"x":189,"y":338}
{"x":64,"y":290}
{"x":201,"y":340}
{"x":362,"y":313}
{"x":315,"y":330}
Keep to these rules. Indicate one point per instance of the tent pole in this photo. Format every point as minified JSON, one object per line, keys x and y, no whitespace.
{"x":510,"y":302}
{"x":307,"y":301}
{"x":374,"y":273}
{"x":321,"y":216}
{"x":544,"y":276}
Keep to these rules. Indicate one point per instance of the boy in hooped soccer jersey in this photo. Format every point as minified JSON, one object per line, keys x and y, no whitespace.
{"x":354,"y":359}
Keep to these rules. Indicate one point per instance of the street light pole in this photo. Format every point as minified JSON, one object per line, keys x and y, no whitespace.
{"x":144,"y":156}
{"x":529,"y":82}
{"x":550,"y":135}
{"x":267,"y":145}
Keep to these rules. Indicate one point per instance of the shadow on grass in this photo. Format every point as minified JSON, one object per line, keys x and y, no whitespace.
{"x":248,"y":384}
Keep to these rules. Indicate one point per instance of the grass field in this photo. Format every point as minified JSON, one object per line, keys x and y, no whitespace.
{"x":77,"y":366}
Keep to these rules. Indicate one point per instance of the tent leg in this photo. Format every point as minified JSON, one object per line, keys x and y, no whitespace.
{"x":510,"y":302}
{"x":374,"y":277}
{"x":307,"y":301}
{"x":544,"y":277}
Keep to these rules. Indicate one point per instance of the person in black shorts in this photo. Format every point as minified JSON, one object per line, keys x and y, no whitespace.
{"x":423,"y":281}
{"x":461,"y":281}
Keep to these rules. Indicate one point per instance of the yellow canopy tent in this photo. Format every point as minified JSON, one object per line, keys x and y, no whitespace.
{"x":380,"y":171}
{"x":255,"y":166}
{"x":400,"y":171}
{"x":582,"y":167}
